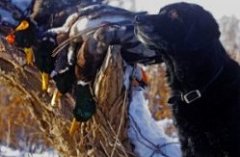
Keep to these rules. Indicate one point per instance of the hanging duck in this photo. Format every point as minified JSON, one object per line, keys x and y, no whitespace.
{"x":28,"y":34}
{"x":92,"y":53}
{"x":77,"y":25}
{"x":90,"y":58}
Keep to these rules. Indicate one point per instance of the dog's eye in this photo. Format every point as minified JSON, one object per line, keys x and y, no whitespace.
{"x":173,"y":14}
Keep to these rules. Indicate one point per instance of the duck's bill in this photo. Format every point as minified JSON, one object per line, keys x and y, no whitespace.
{"x":56,"y":96}
{"x":29,"y":55}
{"x":45,"y":80}
{"x":74,"y":127}
{"x":22,"y":26}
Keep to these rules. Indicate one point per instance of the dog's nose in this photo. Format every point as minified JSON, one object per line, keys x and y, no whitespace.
{"x":137,"y":19}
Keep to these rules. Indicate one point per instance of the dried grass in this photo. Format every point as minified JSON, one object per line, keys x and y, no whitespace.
{"x":104,"y":135}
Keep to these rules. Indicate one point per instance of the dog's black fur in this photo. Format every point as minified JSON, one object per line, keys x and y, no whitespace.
{"x":187,"y":36}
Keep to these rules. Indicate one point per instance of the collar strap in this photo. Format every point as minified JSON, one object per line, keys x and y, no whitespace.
{"x":196,"y":94}
{"x":191,"y":96}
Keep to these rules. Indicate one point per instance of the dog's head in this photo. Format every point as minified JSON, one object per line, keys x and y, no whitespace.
{"x":179,"y":26}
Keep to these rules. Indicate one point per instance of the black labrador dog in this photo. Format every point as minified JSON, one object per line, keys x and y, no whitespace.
{"x":205,"y":81}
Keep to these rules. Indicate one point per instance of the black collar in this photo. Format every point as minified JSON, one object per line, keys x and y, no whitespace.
{"x":193,"y":95}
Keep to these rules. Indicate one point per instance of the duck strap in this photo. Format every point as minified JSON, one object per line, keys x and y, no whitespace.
{"x":67,"y":42}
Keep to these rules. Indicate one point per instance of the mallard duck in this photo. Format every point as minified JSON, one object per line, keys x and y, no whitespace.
{"x":29,"y":34}
{"x":85,"y":105}
{"x":29,"y":37}
{"x":63,"y":74}
{"x":24,"y":36}
{"x":46,"y":43}
{"x":88,"y":59}
{"x":92,"y":53}
{"x":90,"y":17}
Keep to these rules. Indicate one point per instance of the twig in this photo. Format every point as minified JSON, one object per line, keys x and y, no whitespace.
{"x":123,"y":149}
{"x":121,"y":123}
{"x":104,"y":149}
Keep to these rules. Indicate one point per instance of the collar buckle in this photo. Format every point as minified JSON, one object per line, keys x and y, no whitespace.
{"x":192,"y":96}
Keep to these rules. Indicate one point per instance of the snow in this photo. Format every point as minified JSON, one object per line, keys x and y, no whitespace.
{"x":147,"y":134}
{"x":8,"y":152}
{"x":166,"y":123}
{"x":129,"y":71}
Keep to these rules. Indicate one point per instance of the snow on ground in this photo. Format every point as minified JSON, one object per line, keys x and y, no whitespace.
{"x":8,"y":152}
{"x":166,"y":124}
{"x":147,"y":134}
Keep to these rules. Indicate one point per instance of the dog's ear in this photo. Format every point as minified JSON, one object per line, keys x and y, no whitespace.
{"x":204,"y":30}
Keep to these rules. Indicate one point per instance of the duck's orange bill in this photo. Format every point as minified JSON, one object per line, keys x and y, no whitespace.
{"x":10,"y":38}
{"x":22,"y":26}
{"x":74,"y":127}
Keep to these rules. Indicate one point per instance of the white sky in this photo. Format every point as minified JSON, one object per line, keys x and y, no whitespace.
{"x":218,"y":8}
